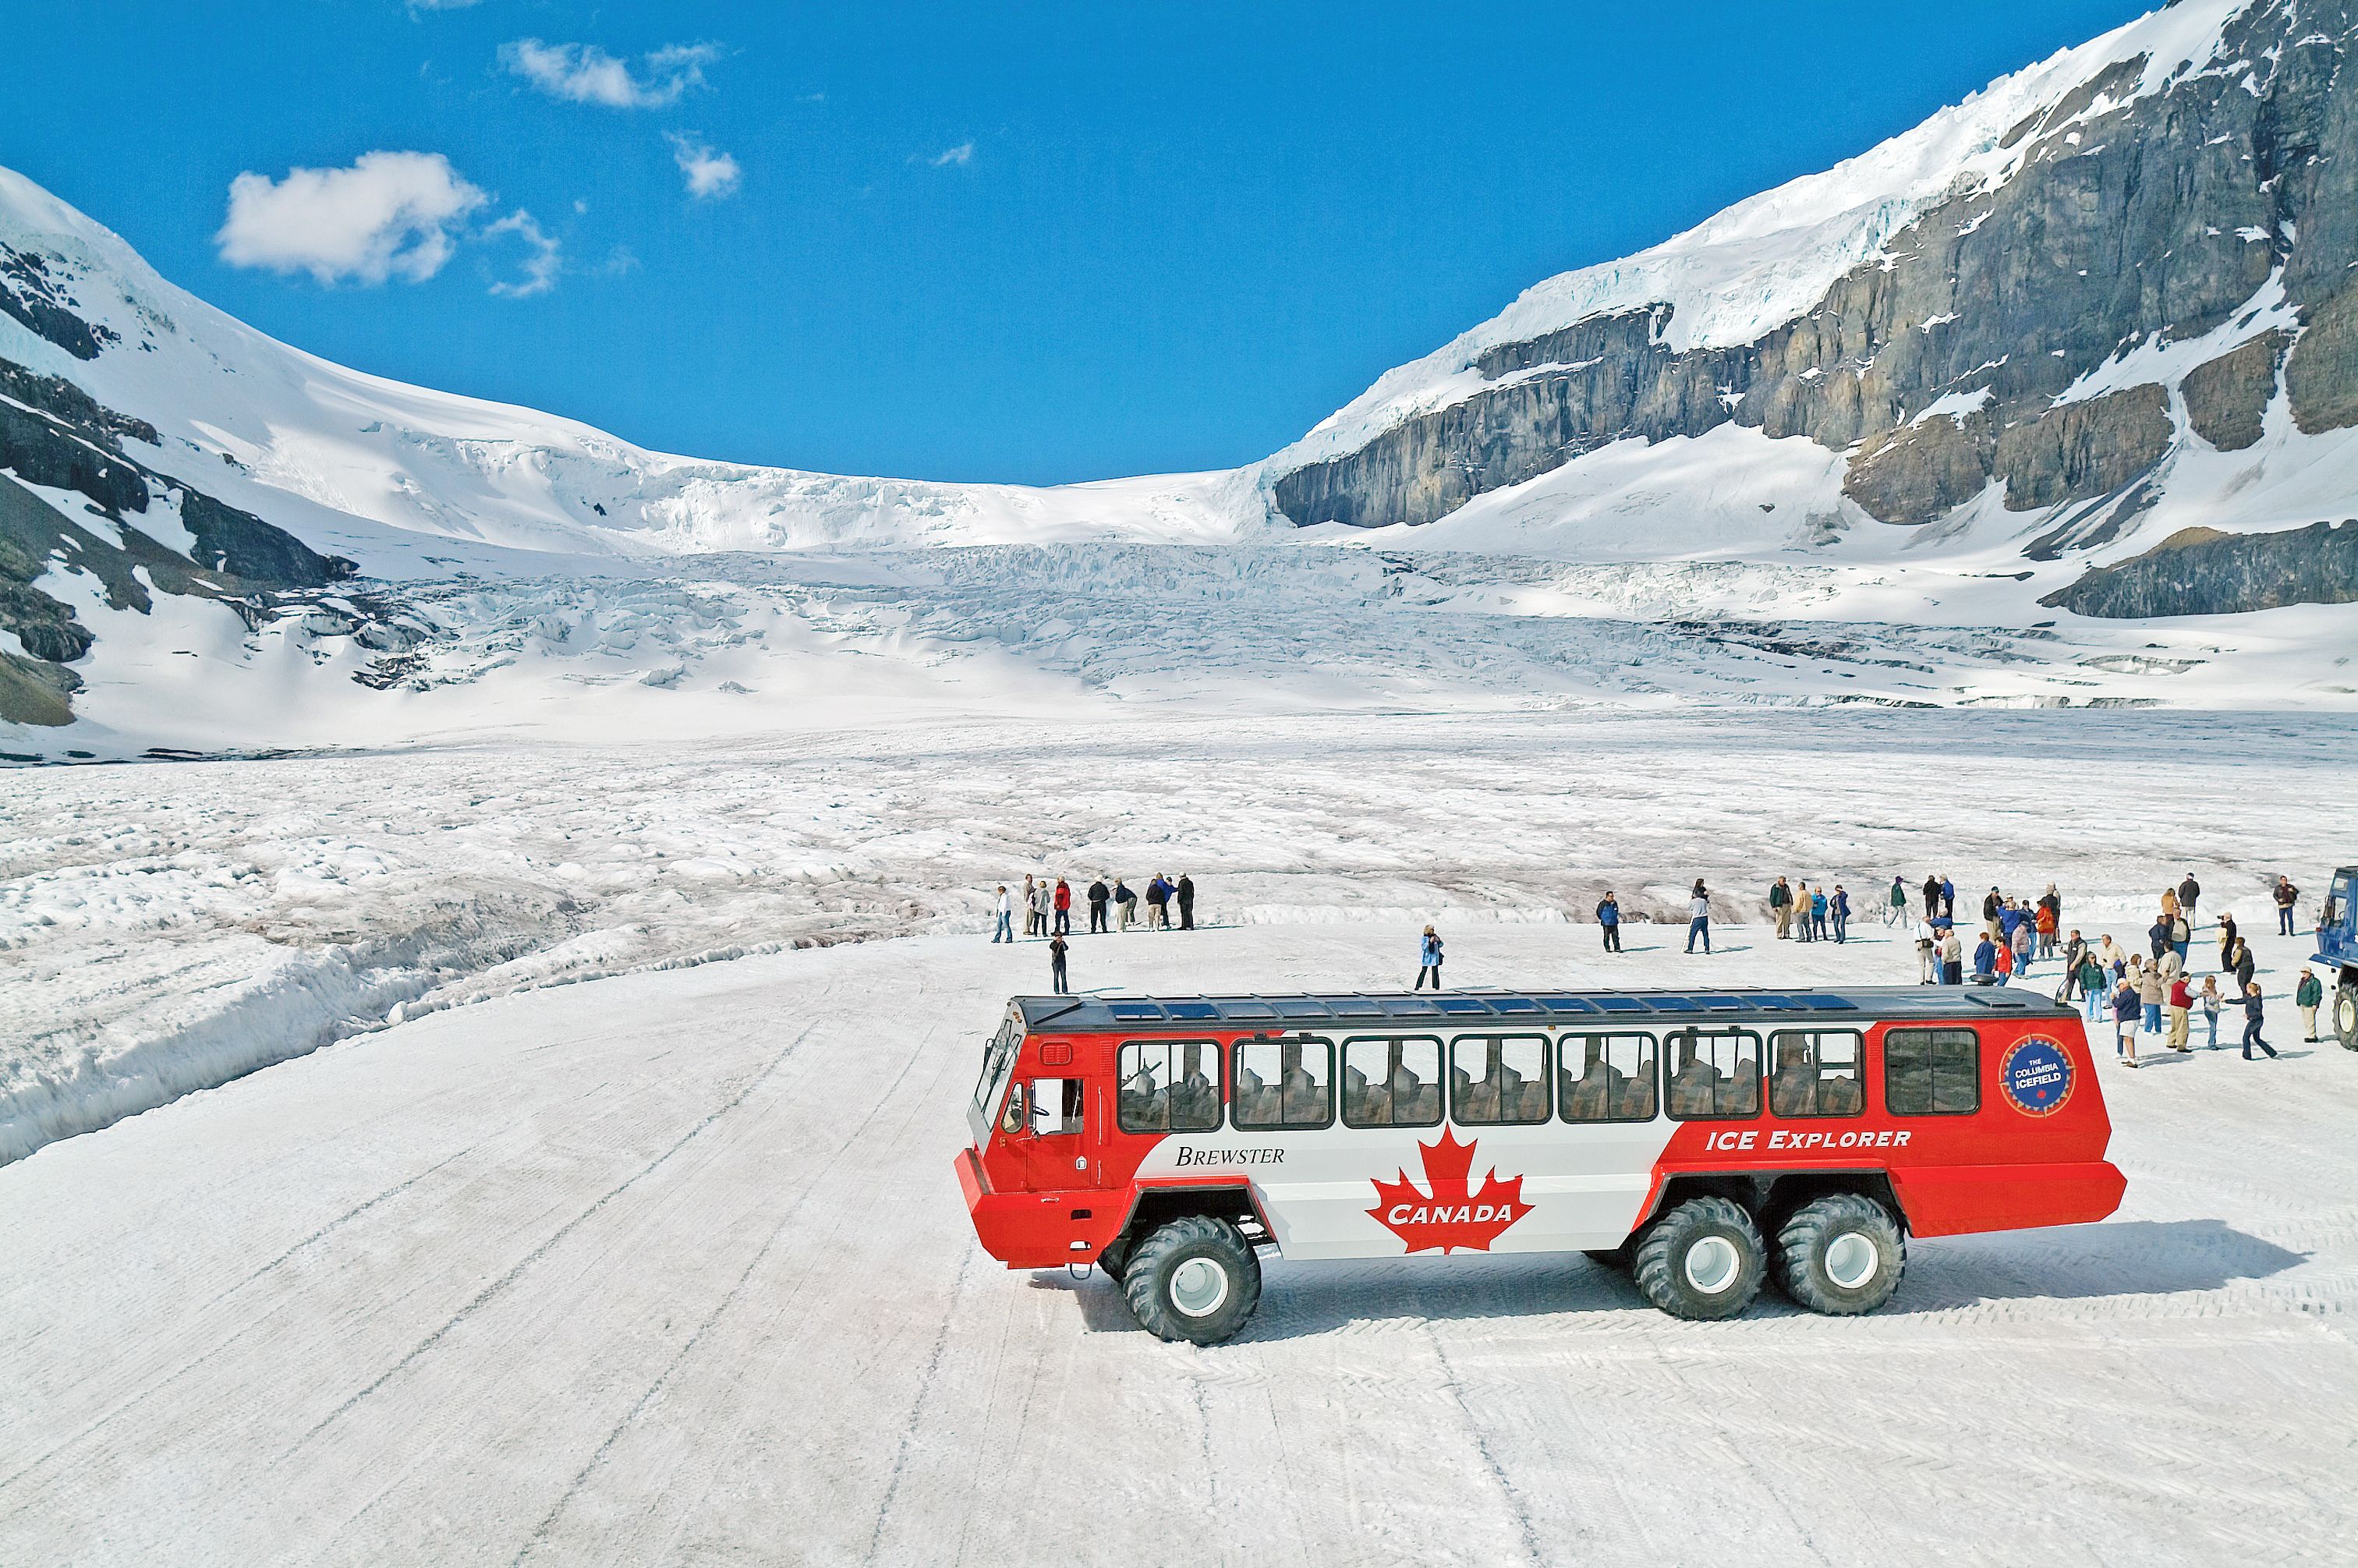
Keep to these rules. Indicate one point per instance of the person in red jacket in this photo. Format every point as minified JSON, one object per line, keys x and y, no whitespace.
{"x":2181,"y":1003}
{"x":1064,"y":906}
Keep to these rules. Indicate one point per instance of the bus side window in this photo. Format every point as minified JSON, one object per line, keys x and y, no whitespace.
{"x":1498,"y":1078}
{"x":1715,"y":1074}
{"x":1606,"y":1078}
{"x":1391,"y":1082}
{"x":1168,"y":1086}
{"x":1932,"y":1072}
{"x":1816,"y":1073}
{"x":1284,"y":1083}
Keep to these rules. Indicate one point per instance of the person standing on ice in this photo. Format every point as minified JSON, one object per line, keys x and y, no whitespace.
{"x":1005,"y":930}
{"x":1932,"y":898}
{"x":2227,"y":940}
{"x":1948,"y":898}
{"x":1928,"y":963}
{"x":1839,"y":907}
{"x":2074,"y":951}
{"x":2181,"y":936}
{"x":2252,"y":1011}
{"x":1030,"y":906}
{"x":1895,"y":908}
{"x":2151,"y":989}
{"x":2308,"y":995}
{"x":2189,"y":894}
{"x":1780,"y":908}
{"x":1609,"y":921}
{"x":1952,"y":958}
{"x":1985,"y":960}
{"x":2211,"y":1002}
{"x":2092,"y":984}
{"x":2245,"y":965}
{"x":1099,"y":896}
{"x":2022,"y":948}
{"x":1125,"y":898}
{"x":1064,"y":906}
{"x":1158,"y":902}
{"x":1428,"y":959}
{"x":2287,"y":897}
{"x":1058,"y":978}
{"x":2178,"y":1005}
{"x":1044,"y":904}
{"x":1699,"y":916}
{"x":2124,"y":1021}
{"x":1801,"y":914}
{"x":1185,"y":895}
{"x":1818,"y":914}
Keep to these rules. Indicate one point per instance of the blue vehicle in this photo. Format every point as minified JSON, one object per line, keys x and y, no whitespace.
{"x":2337,"y":948}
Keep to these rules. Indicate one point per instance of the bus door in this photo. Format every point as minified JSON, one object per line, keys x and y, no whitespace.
{"x":1045,"y":1125}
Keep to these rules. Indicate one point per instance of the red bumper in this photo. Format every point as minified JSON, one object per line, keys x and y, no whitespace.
{"x":1037,"y":1231}
{"x":1956,"y":1200}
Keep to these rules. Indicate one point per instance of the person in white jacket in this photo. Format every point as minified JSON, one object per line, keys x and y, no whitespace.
{"x":1699,"y":916}
{"x":1005,"y":930}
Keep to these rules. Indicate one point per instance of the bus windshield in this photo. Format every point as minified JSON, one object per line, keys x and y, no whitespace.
{"x":998,"y":1057}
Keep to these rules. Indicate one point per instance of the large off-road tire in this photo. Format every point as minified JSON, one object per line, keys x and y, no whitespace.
{"x":2345,"y":1016}
{"x":1194,"y":1279}
{"x":1841,"y":1255}
{"x":1703,"y":1260}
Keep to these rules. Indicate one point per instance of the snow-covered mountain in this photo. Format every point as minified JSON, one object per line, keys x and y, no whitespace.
{"x":2076,"y":351}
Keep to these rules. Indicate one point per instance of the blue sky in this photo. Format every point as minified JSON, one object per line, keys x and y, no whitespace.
{"x":1030,"y":242}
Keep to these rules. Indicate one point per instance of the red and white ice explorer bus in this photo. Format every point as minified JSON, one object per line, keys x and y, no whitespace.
{"x":1708,"y":1141}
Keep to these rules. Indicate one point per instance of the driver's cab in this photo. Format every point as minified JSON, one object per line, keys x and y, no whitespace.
{"x":1031,"y":1113}
{"x":2337,"y":923}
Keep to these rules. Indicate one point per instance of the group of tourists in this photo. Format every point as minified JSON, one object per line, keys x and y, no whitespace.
{"x":1814,"y":915}
{"x":2014,"y":935}
{"x":1047,"y":908}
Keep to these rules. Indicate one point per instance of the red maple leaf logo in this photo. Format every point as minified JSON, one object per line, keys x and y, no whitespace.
{"x":1453,"y":1216}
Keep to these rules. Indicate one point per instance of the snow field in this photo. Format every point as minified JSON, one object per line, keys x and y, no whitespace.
{"x":674,"y":1267}
{"x":167,"y":926}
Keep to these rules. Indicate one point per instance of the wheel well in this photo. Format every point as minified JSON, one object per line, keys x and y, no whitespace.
{"x":1158,"y":1206}
{"x":1770,"y":1199}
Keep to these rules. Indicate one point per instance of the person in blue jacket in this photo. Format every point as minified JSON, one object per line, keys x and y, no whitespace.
{"x":1609,"y":919}
{"x":1985,"y":960}
{"x":1428,"y":958}
{"x":1818,"y":914}
{"x":1839,"y":907}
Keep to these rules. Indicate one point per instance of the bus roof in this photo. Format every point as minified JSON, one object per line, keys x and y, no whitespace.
{"x":1107,"y":1014}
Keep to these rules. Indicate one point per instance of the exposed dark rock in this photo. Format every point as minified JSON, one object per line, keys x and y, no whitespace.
{"x":2226,"y":397}
{"x":243,"y":545}
{"x":1915,"y":474}
{"x":2161,"y":217}
{"x":28,"y":293}
{"x":42,"y":449}
{"x":54,"y":395}
{"x":2085,"y":450}
{"x":2321,"y":376}
{"x":2201,"y":572}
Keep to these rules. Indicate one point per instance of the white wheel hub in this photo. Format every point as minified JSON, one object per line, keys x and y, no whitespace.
{"x":1712,"y":1264}
{"x":1199,"y":1287}
{"x":1852,"y":1258}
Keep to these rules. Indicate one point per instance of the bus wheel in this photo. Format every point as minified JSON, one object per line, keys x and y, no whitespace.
{"x":1195,"y":1279}
{"x":2345,"y":1016}
{"x":1703,"y":1260}
{"x":1841,"y":1254}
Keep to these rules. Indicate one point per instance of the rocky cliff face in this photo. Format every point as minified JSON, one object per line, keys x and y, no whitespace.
{"x":54,"y":435}
{"x":1997,"y":338}
{"x":2200,"y":571}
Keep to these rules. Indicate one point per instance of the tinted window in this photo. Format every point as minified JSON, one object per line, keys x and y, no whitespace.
{"x":1932,"y":1072}
{"x":1816,"y":1072}
{"x":1169,"y":1086}
{"x":1391,"y":1082}
{"x":1605,"y":1078}
{"x":1284,"y":1083}
{"x":1713,"y":1074}
{"x":1496,"y":1078}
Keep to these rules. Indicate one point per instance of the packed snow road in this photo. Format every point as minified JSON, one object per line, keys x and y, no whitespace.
{"x":673,"y":1266}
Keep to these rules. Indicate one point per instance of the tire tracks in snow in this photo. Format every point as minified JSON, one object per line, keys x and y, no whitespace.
{"x":515,"y":1273}
{"x":679,"y":1358}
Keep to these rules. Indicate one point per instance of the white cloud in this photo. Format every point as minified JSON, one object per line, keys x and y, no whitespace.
{"x":389,"y":215}
{"x":711,"y":174}
{"x":584,"y":73}
{"x":540,"y":267}
{"x":953,"y":157}
{"x":418,"y":5}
